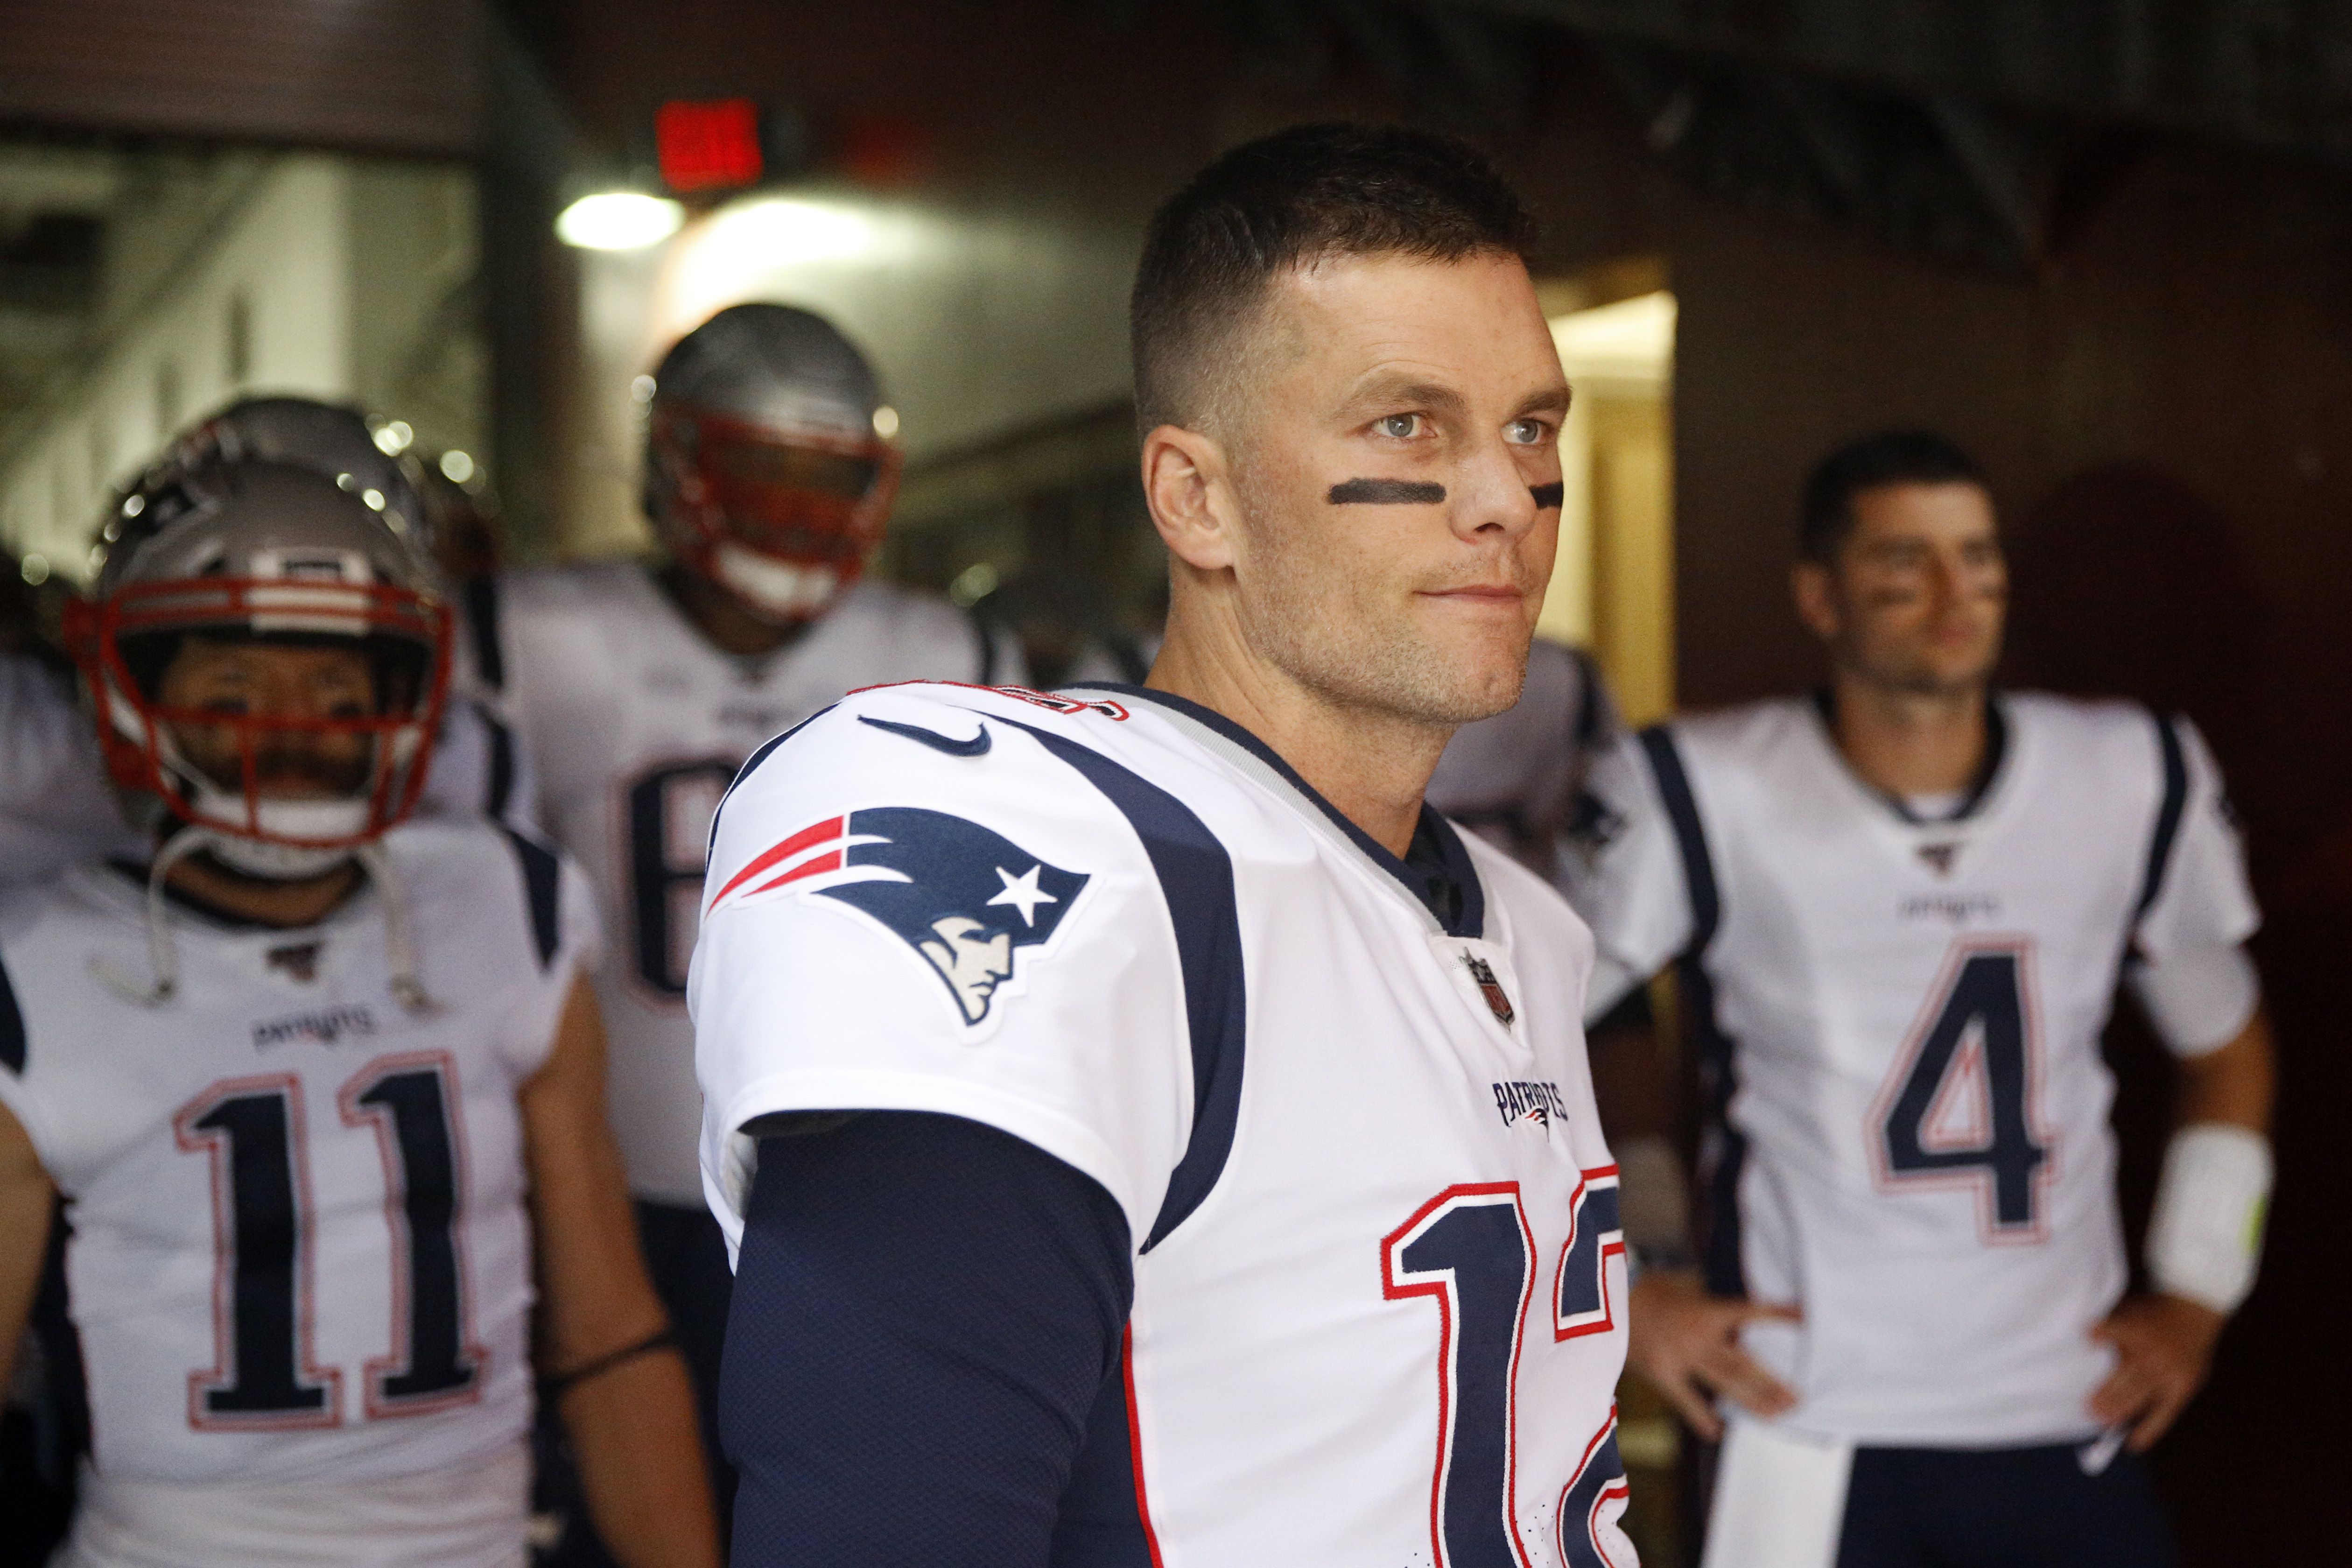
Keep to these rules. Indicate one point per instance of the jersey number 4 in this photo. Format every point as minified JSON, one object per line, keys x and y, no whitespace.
{"x":1471,"y":1249}
{"x":252,"y":1130}
{"x":1959,"y":1106}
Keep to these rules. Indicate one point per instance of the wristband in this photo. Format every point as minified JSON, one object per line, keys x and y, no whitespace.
{"x":2206,"y":1234}
{"x":552,"y":1389}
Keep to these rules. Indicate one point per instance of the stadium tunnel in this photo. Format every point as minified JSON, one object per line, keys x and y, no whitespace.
{"x":2101,"y":244}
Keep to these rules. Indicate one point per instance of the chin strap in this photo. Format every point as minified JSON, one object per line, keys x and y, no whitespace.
{"x":164,"y":952}
{"x":399,"y":950}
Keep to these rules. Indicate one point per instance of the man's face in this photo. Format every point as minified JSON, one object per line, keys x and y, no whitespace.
{"x":1915,"y":599}
{"x":1438,"y":381}
{"x":241,"y":677}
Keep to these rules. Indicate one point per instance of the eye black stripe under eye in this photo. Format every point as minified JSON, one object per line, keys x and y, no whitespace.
{"x":1386,"y":492}
{"x":1548,"y":496}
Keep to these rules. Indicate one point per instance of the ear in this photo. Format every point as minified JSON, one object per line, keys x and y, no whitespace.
{"x":1814,"y":588}
{"x":1186,"y":484}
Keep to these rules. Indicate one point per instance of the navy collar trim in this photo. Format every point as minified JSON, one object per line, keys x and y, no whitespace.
{"x":1988,"y":771}
{"x":1450,"y":892}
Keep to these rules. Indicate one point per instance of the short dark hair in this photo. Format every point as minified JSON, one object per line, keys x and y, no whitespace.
{"x":1882,"y":458}
{"x":1288,"y":200}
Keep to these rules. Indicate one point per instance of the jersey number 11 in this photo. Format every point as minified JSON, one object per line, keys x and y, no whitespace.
{"x":252,"y":1128}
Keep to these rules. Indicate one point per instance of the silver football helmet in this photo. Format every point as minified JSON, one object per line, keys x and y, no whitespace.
{"x":769,"y":466}
{"x":276,"y":553}
{"x":328,"y":438}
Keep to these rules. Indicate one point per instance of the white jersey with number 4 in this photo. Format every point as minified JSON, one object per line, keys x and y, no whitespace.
{"x":1901,"y":1021}
{"x":299,"y":1251}
{"x":1378,"y":1286}
{"x":634,"y":724}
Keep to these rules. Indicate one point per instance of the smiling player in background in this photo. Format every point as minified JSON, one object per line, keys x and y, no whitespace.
{"x":321,"y":1090}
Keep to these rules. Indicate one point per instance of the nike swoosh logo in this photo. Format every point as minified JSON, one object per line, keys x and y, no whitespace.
{"x":977,"y":746}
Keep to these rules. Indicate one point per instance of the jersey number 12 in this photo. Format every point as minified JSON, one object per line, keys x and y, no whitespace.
{"x":1958,"y":1106}
{"x":1471,"y":1250}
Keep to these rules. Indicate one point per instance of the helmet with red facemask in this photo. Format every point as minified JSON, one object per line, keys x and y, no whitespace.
{"x":273,"y":554}
{"x":765,"y":470}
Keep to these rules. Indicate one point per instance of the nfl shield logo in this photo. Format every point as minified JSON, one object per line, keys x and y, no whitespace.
{"x":1498,"y":1001}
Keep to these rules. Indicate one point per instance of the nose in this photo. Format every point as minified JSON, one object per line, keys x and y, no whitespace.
{"x":1492,"y":500}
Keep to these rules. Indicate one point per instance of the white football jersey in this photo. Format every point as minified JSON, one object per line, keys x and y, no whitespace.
{"x":299,"y":1248}
{"x":55,"y":806}
{"x":634,"y":724}
{"x":1900,"y":1026}
{"x":1378,"y":1286}
{"x":1515,"y":779}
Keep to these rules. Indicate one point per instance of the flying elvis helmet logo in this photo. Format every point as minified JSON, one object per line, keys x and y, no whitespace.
{"x":964,"y":898}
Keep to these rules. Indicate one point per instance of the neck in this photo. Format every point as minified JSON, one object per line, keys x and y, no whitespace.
{"x":1371,"y":765}
{"x":259,"y":898}
{"x":1910,"y":742}
{"x":721,"y":617}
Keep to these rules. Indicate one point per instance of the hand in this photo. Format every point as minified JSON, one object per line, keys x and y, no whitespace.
{"x":2164,"y":1348}
{"x":1687,"y":1343}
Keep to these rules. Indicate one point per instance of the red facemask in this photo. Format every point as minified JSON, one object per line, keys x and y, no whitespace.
{"x":784,"y":520}
{"x":137,"y":731}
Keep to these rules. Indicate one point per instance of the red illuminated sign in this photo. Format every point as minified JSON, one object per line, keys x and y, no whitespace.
{"x":709,"y":145}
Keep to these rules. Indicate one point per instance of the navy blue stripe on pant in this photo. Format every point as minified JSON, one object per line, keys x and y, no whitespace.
{"x":1999,"y":1508}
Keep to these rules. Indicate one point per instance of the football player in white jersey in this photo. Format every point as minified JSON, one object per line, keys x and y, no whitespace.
{"x":54,"y":806}
{"x":1152,"y":1133}
{"x":321,"y":1093}
{"x":1902,"y":908}
{"x":639,"y":688}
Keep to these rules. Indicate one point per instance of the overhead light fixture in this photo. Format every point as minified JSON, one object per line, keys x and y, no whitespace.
{"x":618,"y":220}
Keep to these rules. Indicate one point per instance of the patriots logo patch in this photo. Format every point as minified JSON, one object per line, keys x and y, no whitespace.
{"x":963,"y":897}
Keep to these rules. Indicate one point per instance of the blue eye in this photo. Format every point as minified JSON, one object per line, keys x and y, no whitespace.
{"x":1402,"y":426}
{"x":1524,"y":432}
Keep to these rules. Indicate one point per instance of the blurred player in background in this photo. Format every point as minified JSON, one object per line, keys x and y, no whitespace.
{"x":1902,"y":908}
{"x":640,"y":689}
{"x":1152,"y":1131}
{"x":54,"y":807}
{"x":478,"y":769}
{"x":322,"y":1092}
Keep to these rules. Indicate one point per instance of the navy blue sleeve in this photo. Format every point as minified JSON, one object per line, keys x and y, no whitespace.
{"x":927,"y":1311}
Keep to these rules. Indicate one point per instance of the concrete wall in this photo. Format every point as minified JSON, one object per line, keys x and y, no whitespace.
{"x":293,"y":273}
{"x":981,"y":319}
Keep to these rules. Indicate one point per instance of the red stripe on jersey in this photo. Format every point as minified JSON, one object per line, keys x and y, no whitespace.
{"x":828,"y":861}
{"x":1135,"y":1441}
{"x":806,"y":839}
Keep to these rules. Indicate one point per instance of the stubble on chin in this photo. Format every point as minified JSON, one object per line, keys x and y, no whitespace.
{"x":1354,"y":640}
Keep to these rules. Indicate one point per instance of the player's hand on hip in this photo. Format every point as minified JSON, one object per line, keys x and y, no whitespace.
{"x":1687,"y":1343}
{"x":2164,"y":1348}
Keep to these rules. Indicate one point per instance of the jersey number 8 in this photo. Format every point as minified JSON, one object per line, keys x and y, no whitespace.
{"x":670,"y":810}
